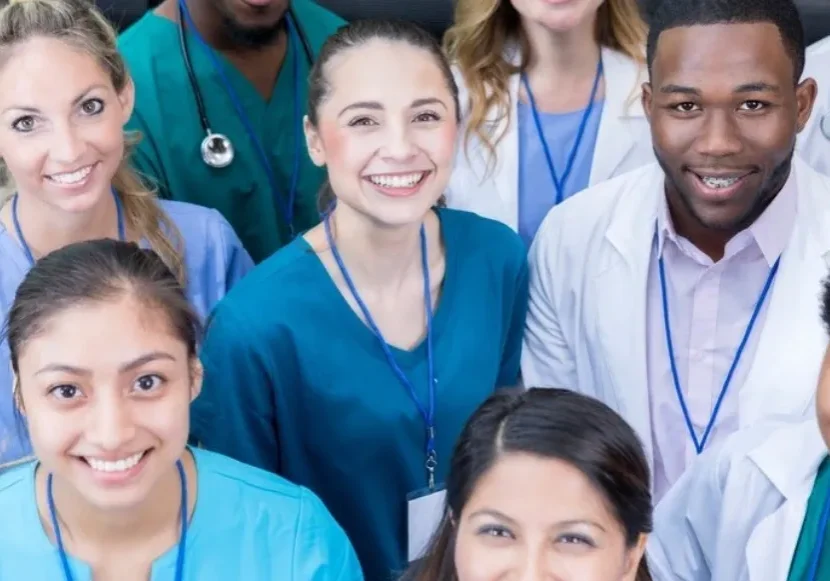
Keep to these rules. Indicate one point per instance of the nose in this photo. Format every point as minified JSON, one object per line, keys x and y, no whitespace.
{"x":719,"y":136}
{"x":536,"y":566}
{"x":399,"y":145}
{"x":109,"y":424}
{"x":67,"y":144}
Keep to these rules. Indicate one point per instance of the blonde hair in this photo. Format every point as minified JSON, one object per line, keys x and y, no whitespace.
{"x":483,"y":32}
{"x":79,"y":24}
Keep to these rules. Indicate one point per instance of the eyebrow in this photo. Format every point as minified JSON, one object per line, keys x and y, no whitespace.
{"x":75,"y":101}
{"x":567,"y":523}
{"x":375,"y":105}
{"x":129,"y":366}
{"x":756,"y":87}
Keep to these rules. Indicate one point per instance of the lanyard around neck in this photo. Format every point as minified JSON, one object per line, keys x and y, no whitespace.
{"x":53,"y":516}
{"x":427,"y":413}
{"x":119,"y":211}
{"x":558,"y":184}
{"x":701,"y":443}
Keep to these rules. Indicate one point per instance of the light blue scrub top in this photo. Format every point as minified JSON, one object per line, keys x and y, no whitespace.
{"x":537,"y":192}
{"x":215,"y":261}
{"x":248,"y":525}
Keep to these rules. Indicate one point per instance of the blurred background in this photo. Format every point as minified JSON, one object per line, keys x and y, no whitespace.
{"x":435,"y":15}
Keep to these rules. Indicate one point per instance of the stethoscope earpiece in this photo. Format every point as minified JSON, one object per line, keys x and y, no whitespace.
{"x":217,"y":150}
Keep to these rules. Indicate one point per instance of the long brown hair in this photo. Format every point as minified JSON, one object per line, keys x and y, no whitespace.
{"x":485,"y":29}
{"x":79,"y":24}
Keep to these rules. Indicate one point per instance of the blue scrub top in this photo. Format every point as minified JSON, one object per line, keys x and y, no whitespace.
{"x":247,"y":524}
{"x":215,"y":261}
{"x":537,"y":192}
{"x":296,"y":383}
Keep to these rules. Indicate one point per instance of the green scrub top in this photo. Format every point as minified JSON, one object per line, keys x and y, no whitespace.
{"x":810,"y":533}
{"x":167,"y":118}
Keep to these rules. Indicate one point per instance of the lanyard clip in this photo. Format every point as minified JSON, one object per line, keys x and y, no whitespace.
{"x":431,"y":463}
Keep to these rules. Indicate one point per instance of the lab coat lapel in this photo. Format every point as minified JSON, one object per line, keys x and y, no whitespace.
{"x":507,"y":170}
{"x":781,"y":380}
{"x":770,"y":549}
{"x":621,"y":293}
{"x":623,"y":79}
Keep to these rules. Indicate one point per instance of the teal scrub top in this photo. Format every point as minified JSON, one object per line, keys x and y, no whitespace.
{"x":248,"y":524}
{"x":166,"y":116}
{"x":810,"y":531}
{"x":296,"y":383}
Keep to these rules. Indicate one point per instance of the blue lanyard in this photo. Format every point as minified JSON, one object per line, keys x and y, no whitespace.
{"x":28,"y":251}
{"x":560,"y":185}
{"x":287,"y":206}
{"x":428,"y":414}
{"x":53,"y":515}
{"x":699,"y":444}
{"x":815,"y":557}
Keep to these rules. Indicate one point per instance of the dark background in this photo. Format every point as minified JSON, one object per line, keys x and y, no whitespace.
{"x":435,"y":15}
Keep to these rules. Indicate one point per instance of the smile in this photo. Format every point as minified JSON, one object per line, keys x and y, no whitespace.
{"x":408,"y":180}
{"x":115,"y":466}
{"x":72,"y":178}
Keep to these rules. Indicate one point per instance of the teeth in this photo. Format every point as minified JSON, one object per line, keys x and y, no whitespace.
{"x":397,"y":181}
{"x":718,"y":183}
{"x":71,"y":177}
{"x":116,"y":466}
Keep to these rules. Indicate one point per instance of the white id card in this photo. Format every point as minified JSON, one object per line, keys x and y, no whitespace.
{"x":424,"y":510}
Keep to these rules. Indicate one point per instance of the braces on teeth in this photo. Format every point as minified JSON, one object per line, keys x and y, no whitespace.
{"x":713,"y":182}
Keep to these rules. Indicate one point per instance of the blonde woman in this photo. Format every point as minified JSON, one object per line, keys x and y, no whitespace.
{"x":551,"y":98}
{"x":66,"y":97}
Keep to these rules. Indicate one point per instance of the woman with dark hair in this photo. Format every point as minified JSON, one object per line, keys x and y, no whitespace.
{"x":351,"y":359}
{"x":543,"y":484}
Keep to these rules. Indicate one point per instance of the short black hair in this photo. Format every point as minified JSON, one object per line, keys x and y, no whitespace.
{"x":825,"y":303}
{"x":666,"y":14}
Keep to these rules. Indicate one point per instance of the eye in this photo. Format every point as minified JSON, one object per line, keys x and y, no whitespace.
{"x":24,"y":124}
{"x":577,"y":540}
{"x":427,"y":116}
{"x":753,"y":105}
{"x":92,"y":106}
{"x":685,"y":107}
{"x":362,"y":122}
{"x":147,"y":383}
{"x":66,"y":391}
{"x":495,"y":531}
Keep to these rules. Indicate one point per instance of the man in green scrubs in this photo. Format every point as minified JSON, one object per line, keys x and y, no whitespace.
{"x":247,"y":45}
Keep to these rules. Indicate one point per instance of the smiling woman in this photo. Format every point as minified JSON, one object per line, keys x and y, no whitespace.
{"x":350,"y":360}
{"x":66,"y":97}
{"x":114,"y":492}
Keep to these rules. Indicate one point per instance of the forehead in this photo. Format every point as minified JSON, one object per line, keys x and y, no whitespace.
{"x":722,"y":53}
{"x":382,"y":70}
{"x":100,"y":334}
{"x":47,"y":70}
{"x":543,"y":490}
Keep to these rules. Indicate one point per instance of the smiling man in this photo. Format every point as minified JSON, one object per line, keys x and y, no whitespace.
{"x":236,"y":68}
{"x":684,"y":294}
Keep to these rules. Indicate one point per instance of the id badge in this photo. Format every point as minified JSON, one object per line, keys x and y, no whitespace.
{"x":424,"y":509}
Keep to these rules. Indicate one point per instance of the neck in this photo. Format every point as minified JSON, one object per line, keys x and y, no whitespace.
{"x":46,"y":228}
{"x":212,"y":27}
{"x":157,"y":517}
{"x":557,"y":58}
{"x":712,"y":242}
{"x":377,"y":256}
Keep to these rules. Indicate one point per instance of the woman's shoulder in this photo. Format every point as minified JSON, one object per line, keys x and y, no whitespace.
{"x":473,"y":233}
{"x":17,"y":497}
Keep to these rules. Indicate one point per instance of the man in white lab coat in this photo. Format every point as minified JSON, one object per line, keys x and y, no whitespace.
{"x":755,"y":508}
{"x":814,"y":142}
{"x":683,"y":294}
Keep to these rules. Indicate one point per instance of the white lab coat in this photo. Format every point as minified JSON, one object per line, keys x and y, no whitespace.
{"x":812,"y":144}
{"x":736,"y":514}
{"x":586,"y":325}
{"x":623,"y":143}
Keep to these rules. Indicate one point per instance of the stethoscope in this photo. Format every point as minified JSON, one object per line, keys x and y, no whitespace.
{"x":216,"y":148}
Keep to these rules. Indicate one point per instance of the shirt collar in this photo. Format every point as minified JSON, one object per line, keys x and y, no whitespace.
{"x":770,"y":232}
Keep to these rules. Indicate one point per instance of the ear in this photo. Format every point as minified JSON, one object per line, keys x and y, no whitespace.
{"x":647,"y":100}
{"x":313,"y":142}
{"x":197,"y":375}
{"x":805,"y":98}
{"x":634,"y":557}
{"x":127,"y":99}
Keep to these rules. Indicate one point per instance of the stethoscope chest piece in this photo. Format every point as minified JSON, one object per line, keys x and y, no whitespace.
{"x":217,"y":150}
